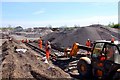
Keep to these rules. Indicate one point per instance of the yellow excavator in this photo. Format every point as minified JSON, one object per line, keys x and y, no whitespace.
{"x":103,"y":62}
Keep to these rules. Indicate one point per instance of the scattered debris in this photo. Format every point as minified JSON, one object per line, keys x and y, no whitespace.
{"x":21,"y":50}
{"x":46,"y":61}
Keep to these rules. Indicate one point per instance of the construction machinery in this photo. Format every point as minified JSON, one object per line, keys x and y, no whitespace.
{"x":103,"y":62}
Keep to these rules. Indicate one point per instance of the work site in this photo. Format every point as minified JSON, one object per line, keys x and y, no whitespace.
{"x":78,"y":53}
{"x":60,"y":40}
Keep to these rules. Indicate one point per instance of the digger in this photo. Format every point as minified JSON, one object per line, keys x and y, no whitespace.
{"x":102,"y":64}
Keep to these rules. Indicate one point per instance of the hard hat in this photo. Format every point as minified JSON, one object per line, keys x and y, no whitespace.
{"x":88,"y":39}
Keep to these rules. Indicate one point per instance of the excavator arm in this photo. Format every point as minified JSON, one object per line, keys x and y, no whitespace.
{"x":76,"y":47}
{"x":85,"y":48}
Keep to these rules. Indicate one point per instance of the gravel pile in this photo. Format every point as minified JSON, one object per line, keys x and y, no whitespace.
{"x":66,"y":38}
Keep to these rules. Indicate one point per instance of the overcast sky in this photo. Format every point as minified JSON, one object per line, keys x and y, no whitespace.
{"x":32,"y":14}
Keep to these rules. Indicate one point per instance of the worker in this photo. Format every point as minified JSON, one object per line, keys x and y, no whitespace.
{"x":102,"y":57}
{"x":48,"y":47}
{"x":40,"y":43}
{"x":112,"y":40}
{"x":88,"y":44}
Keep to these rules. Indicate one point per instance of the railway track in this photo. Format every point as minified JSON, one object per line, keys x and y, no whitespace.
{"x":69,"y":65}
{"x":42,"y":52}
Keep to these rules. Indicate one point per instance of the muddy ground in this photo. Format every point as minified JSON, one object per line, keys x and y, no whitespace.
{"x":27,"y":65}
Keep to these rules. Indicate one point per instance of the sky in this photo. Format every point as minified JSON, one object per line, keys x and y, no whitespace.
{"x":57,"y":14}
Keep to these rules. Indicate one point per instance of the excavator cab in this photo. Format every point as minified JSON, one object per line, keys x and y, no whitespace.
{"x":103,"y":64}
{"x":105,"y":59}
{"x":106,"y":49}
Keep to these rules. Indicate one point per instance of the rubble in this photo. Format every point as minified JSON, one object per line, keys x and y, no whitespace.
{"x":21,"y":50}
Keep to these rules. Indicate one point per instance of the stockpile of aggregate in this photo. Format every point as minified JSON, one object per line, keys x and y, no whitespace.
{"x":66,"y":38}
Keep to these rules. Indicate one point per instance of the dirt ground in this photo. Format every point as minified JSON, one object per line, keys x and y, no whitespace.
{"x":27,"y":65}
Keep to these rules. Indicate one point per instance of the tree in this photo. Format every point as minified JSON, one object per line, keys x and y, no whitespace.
{"x":116,"y":26}
{"x":112,"y":25}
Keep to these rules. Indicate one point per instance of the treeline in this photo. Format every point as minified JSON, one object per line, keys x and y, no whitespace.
{"x":114,"y":25}
{"x":6,"y":28}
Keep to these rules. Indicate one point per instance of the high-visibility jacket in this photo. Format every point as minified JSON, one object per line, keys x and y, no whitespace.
{"x":88,"y":43}
{"x":40,"y":44}
{"x":102,"y":58}
{"x":48,"y":47}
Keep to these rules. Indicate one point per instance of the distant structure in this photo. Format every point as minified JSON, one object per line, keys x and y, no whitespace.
{"x":29,"y":30}
{"x":18,"y":29}
{"x":37,"y":29}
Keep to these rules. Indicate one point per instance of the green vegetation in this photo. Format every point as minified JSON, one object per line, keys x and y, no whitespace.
{"x":6,"y":28}
{"x":114,"y":25}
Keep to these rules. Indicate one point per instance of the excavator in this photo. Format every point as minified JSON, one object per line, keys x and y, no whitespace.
{"x":103,"y":62}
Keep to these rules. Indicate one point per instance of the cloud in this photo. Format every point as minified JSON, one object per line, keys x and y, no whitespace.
{"x":39,"y":12}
